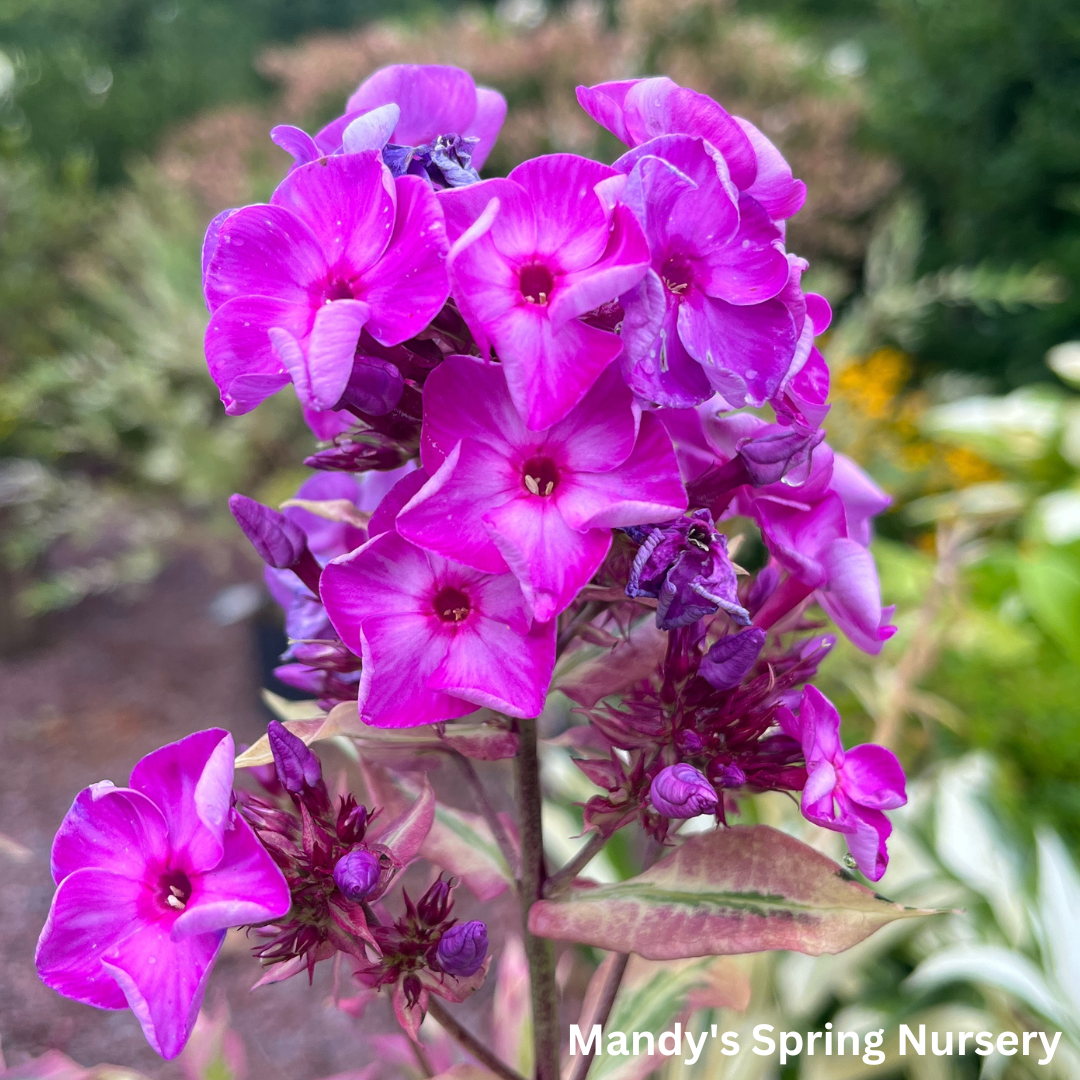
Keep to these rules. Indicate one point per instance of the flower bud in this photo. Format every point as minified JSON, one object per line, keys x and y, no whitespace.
{"x":357,"y":874}
{"x":435,"y":904}
{"x":372,"y":451}
{"x":680,"y":791}
{"x":279,"y":541}
{"x":296,"y":765}
{"x":728,"y":662}
{"x":781,"y":455}
{"x":462,"y":948}
{"x":731,"y":776}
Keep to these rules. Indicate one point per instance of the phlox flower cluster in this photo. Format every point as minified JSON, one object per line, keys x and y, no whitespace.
{"x":527,"y":394}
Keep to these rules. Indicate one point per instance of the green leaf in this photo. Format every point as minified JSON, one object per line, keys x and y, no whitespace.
{"x":745,"y":889}
{"x":1050,"y":587}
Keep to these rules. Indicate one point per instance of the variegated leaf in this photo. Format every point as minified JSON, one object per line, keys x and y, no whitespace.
{"x":738,"y":890}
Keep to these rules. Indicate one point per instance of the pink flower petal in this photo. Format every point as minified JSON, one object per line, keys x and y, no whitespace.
{"x":745,"y":351}
{"x":451,"y":394}
{"x":753,"y":267}
{"x":866,"y":842}
{"x":600,"y":432}
{"x":163,"y":981}
{"x":496,"y":667}
{"x":773,"y":187}
{"x":852,"y":595}
{"x":110,"y":828}
{"x":646,"y":487}
{"x":400,"y":652}
{"x":409,"y":286}
{"x":623,"y":263}
{"x":190,"y":781}
{"x":486,"y":123}
{"x":550,"y":559}
{"x":387,"y":576}
{"x":245,"y":887}
{"x":446,"y":515}
{"x":92,"y":910}
{"x":348,"y":203}
{"x":239,"y":351}
{"x":264,"y":251}
{"x":435,"y":99}
{"x":873,"y":777}
{"x":321,"y":372}
{"x":571,"y":223}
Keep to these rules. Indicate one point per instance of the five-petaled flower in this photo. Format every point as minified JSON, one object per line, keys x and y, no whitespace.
{"x":149,"y":878}
{"x":538,"y":503}
{"x":846,"y":791}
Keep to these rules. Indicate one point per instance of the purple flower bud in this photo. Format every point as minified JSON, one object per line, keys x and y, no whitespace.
{"x":726,"y":664}
{"x":764,"y":586}
{"x":462,"y":948}
{"x":357,"y":874}
{"x":372,"y":450}
{"x":689,"y":742}
{"x":680,"y":791}
{"x":780,"y":455}
{"x":279,"y":542}
{"x":296,"y":765}
{"x":435,"y":904}
{"x":731,"y":776}
{"x":375,"y":386}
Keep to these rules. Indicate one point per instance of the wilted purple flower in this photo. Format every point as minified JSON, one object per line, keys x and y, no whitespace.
{"x":297,"y":766}
{"x":708,"y":317}
{"x":685,"y":566}
{"x":538,"y":503}
{"x":462,"y":948}
{"x":357,"y":874}
{"x":680,"y":791}
{"x":846,"y":791}
{"x":639,"y":110}
{"x":532,"y":254}
{"x":149,"y":878}
{"x":341,"y":248}
{"x":730,"y":659}
{"x":438,"y":639}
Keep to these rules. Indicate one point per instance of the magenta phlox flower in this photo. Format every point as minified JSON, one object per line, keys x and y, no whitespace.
{"x":438,"y":639}
{"x":530,"y":256}
{"x":428,"y":119}
{"x":685,"y":566}
{"x":341,"y":248}
{"x":149,"y":878}
{"x":846,"y":791}
{"x":540,"y":503}
{"x":709,"y":316}
{"x":638,"y":110}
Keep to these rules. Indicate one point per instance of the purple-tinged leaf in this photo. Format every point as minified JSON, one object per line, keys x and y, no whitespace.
{"x":738,"y":890}
{"x":511,"y":1009}
{"x":630,"y":661}
{"x":459,"y":842}
{"x":405,"y":835}
{"x":484,"y":742}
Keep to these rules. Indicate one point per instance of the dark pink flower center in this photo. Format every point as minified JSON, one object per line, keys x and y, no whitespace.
{"x":451,"y":605}
{"x":536,"y":283}
{"x":540,"y":476}
{"x":174,"y":890}
{"x":338,"y":289}
{"x":677,"y":275}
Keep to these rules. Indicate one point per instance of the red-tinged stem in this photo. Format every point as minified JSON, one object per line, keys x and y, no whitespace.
{"x":469,"y":1042}
{"x":608,"y":993}
{"x":563,"y":878}
{"x":540,"y":952}
{"x":785,"y":597}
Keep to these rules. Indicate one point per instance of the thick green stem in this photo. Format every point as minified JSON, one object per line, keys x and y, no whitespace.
{"x":540,"y":952}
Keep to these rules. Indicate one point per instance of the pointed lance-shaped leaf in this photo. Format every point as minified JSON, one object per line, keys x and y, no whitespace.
{"x":738,"y":890}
